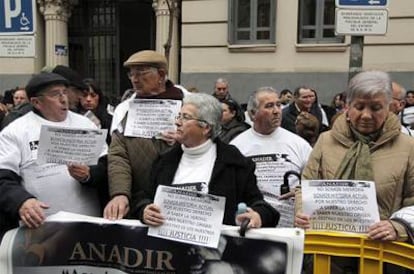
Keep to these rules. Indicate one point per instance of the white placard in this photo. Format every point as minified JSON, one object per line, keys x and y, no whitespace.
{"x":361,"y":22}
{"x":149,"y":117}
{"x":70,"y":145}
{"x":270,"y":169}
{"x":340,"y":205}
{"x":190,"y":217}
{"x":17,"y":46}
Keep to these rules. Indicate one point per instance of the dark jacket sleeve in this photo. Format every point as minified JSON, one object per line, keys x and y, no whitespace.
{"x":13,"y":194}
{"x":146,"y":196}
{"x":99,"y":179}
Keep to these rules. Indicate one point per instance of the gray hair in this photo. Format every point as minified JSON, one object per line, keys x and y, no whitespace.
{"x":221,"y":80}
{"x":253,"y":103}
{"x":208,"y":109}
{"x":370,"y":83}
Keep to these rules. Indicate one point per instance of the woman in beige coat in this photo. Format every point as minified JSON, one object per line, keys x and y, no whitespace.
{"x":365,"y":143}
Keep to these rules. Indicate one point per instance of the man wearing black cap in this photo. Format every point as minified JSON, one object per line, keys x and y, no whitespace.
{"x":75,"y":84}
{"x":130,"y":158}
{"x":30,"y":191}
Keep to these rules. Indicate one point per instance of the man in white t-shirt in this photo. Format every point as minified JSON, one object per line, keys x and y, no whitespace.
{"x":275,"y":151}
{"x":31,"y":191}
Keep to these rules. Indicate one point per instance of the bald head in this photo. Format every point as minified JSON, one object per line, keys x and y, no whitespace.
{"x":398,"y":98}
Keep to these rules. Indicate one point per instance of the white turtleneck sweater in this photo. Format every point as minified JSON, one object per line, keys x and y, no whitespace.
{"x":196,"y":165}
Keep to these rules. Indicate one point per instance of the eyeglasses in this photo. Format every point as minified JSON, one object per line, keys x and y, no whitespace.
{"x":55,"y":94}
{"x":141,"y":72}
{"x":185,"y":118}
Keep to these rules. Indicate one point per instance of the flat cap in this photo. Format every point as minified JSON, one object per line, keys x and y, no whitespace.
{"x":42,"y":80}
{"x":71,"y":75}
{"x":147,"y":57}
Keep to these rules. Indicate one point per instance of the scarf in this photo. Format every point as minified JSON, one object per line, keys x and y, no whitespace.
{"x":356,"y":164}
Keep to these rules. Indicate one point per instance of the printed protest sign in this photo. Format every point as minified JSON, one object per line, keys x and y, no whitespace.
{"x":147,"y":118}
{"x":190,"y":216}
{"x":340,"y":205}
{"x":61,"y":145}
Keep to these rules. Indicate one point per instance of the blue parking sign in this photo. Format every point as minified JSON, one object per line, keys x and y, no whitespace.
{"x":17,"y":17}
{"x":362,"y":3}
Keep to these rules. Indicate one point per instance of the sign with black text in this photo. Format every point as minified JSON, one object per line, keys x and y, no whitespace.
{"x":340,"y":205}
{"x":190,"y":216}
{"x":61,"y":145}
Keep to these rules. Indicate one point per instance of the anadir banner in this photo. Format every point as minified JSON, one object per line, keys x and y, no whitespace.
{"x":75,"y":244}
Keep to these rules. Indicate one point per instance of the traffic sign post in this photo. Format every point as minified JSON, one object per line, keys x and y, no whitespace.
{"x":358,"y":18}
{"x":17,"y":17}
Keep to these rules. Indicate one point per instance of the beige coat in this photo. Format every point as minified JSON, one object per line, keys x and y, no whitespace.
{"x":392,"y":161}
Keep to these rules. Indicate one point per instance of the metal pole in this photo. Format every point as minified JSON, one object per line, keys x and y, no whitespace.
{"x":356,"y":55}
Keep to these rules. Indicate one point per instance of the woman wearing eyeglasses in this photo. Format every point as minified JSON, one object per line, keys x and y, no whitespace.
{"x":208,"y":165}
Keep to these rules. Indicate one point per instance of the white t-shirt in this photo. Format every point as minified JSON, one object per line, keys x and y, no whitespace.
{"x":274,"y":155}
{"x":49,"y":183}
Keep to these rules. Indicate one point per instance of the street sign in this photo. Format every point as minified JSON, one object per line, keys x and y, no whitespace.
{"x":361,"y":4}
{"x":17,"y":46}
{"x":17,"y":17}
{"x":361,"y":22}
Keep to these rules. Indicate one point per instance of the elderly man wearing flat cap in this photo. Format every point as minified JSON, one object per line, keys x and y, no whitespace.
{"x":130,"y":158}
{"x":31,"y":191}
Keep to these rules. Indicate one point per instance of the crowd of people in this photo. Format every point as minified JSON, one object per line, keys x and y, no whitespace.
{"x":218,"y":147}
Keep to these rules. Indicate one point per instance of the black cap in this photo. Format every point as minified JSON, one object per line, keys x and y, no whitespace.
{"x":72,"y":76}
{"x":42,"y":80}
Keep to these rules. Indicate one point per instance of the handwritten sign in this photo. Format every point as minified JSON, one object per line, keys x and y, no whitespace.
{"x":340,"y":205}
{"x":190,"y":217}
{"x":69,"y":145}
{"x":149,"y":117}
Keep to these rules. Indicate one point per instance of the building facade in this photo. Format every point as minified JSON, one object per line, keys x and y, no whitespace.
{"x":285,"y":44}
{"x":252,"y":43}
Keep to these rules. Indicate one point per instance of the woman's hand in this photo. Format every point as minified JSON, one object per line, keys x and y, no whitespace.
{"x":383,"y":230}
{"x":255,"y":219}
{"x":302,"y":221}
{"x":152,"y":215}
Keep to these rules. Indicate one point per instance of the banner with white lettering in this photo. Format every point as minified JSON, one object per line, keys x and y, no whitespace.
{"x":61,"y":145}
{"x":74,"y":244}
{"x":149,"y":117}
{"x":340,"y":205}
{"x":190,"y":216}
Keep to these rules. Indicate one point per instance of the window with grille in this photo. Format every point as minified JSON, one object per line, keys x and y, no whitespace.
{"x":317,"y":22}
{"x":252,"y":21}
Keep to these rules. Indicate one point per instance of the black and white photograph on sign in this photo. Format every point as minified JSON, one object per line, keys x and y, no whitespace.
{"x":270,"y":169}
{"x":147,"y":118}
{"x":340,"y":205}
{"x":70,"y":243}
{"x":190,"y":216}
{"x":70,"y":145}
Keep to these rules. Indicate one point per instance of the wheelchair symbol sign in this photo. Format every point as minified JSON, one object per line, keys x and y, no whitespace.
{"x":17,"y":17}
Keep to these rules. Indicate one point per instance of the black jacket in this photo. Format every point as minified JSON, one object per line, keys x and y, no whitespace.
{"x":233,"y":177}
{"x":230,"y":130}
